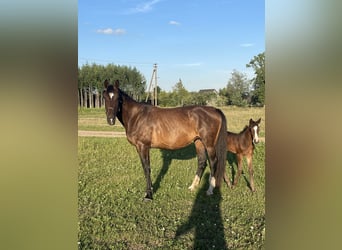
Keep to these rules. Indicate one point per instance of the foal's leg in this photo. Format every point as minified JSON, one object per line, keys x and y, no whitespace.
{"x":239,"y":163}
{"x":202,"y":163}
{"x":144,"y":153}
{"x":213,"y":164}
{"x":251,"y":172}
{"x":226,"y":180}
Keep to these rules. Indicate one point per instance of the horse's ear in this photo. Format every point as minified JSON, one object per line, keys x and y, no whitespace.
{"x":116,"y":84}
{"x":250,"y":121}
{"x":106,"y":83}
{"x":258,"y":121}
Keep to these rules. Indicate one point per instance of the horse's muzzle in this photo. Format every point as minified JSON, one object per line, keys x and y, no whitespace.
{"x":111,"y":121}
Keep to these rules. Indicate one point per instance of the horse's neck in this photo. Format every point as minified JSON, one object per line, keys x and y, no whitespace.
{"x":126,"y":109}
{"x":248,"y":135}
{"x":246,"y":132}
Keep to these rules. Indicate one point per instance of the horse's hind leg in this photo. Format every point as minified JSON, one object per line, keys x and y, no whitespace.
{"x":251,"y":172}
{"x":202,"y":163}
{"x":213,"y":164}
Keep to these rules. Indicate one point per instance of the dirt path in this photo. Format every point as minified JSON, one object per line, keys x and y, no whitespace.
{"x":101,"y":133}
{"x":115,"y":134}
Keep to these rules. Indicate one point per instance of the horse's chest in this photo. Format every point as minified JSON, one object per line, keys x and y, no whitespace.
{"x":136,"y":136}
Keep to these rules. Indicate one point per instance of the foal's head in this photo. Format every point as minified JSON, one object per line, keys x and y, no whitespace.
{"x":254,"y":128}
{"x":111,"y":96}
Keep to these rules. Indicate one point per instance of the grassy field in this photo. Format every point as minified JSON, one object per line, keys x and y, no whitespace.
{"x":95,"y":120}
{"x":112,"y":214}
{"x":237,"y":118}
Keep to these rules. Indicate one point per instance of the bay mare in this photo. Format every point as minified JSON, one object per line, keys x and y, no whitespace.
{"x":243,"y":144}
{"x":170,"y":128}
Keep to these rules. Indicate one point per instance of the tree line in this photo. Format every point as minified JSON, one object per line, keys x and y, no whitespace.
{"x":91,"y":78}
{"x":239,"y":91}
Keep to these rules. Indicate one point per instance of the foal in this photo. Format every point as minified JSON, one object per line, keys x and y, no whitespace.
{"x":242,"y":144}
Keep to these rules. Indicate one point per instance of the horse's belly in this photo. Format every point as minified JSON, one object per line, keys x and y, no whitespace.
{"x":171,"y":140}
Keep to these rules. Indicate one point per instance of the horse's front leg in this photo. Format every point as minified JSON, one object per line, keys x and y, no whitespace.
{"x":226,"y":180}
{"x":202,"y":163}
{"x":144,"y":153}
{"x":239,"y":172}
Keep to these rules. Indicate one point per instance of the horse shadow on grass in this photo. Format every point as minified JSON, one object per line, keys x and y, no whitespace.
{"x":206,"y":221}
{"x":186,"y":153}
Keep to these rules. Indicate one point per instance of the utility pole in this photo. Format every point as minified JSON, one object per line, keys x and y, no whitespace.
{"x":154,"y":98}
{"x":155,"y":86}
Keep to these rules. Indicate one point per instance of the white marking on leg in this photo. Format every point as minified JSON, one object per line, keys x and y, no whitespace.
{"x":195,"y":183}
{"x":212,"y":183}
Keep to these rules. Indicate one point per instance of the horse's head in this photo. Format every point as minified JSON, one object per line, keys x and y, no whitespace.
{"x":111,"y":96}
{"x":254,"y":128}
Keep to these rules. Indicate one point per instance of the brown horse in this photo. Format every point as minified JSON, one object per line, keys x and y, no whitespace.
{"x":170,"y":128}
{"x":242,"y":144}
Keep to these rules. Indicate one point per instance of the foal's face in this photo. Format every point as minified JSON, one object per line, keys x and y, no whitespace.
{"x":111,"y":96}
{"x":254,"y":127}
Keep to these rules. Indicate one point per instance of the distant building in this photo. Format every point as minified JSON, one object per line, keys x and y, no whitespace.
{"x":208,"y":91}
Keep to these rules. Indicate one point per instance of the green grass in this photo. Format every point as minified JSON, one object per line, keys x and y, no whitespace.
{"x":238,"y":117}
{"x":95,"y":120}
{"x":112,"y":214}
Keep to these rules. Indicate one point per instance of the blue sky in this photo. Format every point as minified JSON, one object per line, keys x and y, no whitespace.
{"x":198,"y":41}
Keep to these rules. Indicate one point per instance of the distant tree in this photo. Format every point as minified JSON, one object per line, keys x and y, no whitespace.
{"x":258,"y":82}
{"x":163,"y":98}
{"x":237,"y":90}
{"x":180,"y":94}
{"x":197,"y":98}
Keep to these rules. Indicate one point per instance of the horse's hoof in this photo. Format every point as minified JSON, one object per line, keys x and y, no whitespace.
{"x":146,"y":199}
{"x":209,"y":192}
{"x":191,"y":188}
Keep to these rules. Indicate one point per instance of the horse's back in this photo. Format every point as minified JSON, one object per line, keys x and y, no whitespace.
{"x":174,"y":128}
{"x":238,"y":144}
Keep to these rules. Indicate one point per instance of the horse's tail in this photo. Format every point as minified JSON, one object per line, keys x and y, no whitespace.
{"x":221,"y":150}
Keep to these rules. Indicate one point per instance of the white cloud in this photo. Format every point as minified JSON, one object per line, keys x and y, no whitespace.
{"x":144,"y":7}
{"x":110,"y":31}
{"x":174,"y":23}
{"x":246,"y":45}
